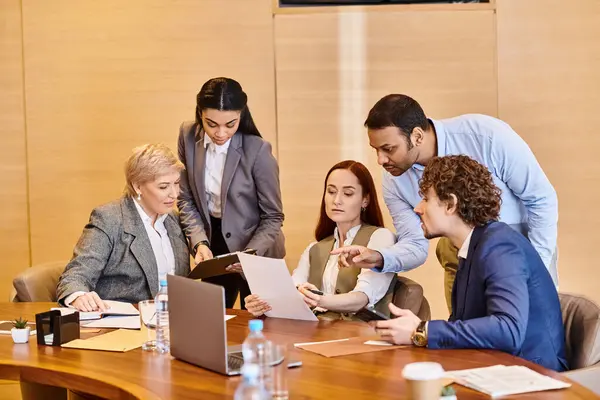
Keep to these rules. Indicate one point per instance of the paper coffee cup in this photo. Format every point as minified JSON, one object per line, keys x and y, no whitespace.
{"x":423,"y":380}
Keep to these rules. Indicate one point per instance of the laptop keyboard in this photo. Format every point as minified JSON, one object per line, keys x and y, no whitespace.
{"x":235,"y":361}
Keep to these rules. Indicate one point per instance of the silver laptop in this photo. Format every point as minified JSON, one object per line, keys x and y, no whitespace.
{"x":197,"y":326}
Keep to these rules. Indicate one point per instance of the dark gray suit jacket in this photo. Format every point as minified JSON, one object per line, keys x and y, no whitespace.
{"x":252,"y":213}
{"x":114,"y":257}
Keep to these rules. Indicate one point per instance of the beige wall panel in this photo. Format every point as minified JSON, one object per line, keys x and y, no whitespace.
{"x":331,"y":68}
{"x":14,"y":226}
{"x":548,"y":87}
{"x":103,"y":77}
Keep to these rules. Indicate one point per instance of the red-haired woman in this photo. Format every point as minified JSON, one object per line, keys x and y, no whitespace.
{"x":350,"y":214}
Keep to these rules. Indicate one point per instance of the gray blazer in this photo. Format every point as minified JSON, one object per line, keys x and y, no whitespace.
{"x":114,"y":257}
{"x":252,"y":213}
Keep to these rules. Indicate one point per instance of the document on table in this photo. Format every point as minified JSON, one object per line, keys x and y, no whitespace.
{"x":270,"y":279}
{"x":502,"y":380}
{"x":115,"y":308}
{"x":345,"y":347}
{"x":127,"y":322}
{"x":120,"y":340}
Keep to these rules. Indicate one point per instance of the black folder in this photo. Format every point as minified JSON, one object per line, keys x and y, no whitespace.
{"x":216,"y":266}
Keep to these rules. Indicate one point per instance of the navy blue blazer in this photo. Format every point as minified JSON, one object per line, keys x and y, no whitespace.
{"x":503,"y":298}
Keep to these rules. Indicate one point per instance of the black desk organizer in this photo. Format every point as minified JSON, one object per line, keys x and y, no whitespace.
{"x":64,"y":327}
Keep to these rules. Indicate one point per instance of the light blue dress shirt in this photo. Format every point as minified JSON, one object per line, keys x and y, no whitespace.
{"x":527,"y":195}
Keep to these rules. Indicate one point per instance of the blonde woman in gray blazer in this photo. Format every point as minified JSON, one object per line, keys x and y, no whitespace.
{"x":230,"y":197}
{"x":132,"y":242}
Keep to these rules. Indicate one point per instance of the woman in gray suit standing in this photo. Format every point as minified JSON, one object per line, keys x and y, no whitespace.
{"x":130,"y":243}
{"x":230,"y":197}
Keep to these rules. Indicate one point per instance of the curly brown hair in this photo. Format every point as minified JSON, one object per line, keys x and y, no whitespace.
{"x":478,"y":197}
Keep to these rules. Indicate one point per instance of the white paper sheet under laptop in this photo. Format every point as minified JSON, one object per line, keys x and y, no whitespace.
{"x":270,"y":279}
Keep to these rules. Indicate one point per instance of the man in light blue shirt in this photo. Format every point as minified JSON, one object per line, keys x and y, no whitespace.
{"x":406,"y":140}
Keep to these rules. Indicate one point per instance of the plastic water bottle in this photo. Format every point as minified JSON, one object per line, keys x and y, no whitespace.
{"x":250,"y":388}
{"x":161,"y":301}
{"x":256,"y":350}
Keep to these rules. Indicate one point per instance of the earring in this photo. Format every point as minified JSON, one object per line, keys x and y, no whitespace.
{"x":363,"y":209}
{"x":139,"y":196}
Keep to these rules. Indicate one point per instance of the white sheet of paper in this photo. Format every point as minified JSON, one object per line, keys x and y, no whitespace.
{"x":132,"y":322}
{"x":378,"y":343}
{"x":115,"y":308}
{"x":324,"y":341}
{"x":228,"y":317}
{"x":119,"y":307}
{"x":501,"y":380}
{"x":270,"y":279}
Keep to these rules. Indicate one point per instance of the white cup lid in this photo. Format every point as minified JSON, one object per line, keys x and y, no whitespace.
{"x":423,"y":371}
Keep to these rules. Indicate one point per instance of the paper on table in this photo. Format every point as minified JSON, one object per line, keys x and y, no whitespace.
{"x":115,"y":308}
{"x":270,"y":279}
{"x":120,"y":340}
{"x":132,"y":322}
{"x":378,"y":343}
{"x":501,"y":380}
{"x":324,"y":341}
{"x":343,"y":347}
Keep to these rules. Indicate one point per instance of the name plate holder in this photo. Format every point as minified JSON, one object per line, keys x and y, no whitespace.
{"x":54,"y":329}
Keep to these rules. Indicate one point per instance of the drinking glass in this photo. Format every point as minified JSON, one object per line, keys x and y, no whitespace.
{"x":279,"y":362}
{"x":147,"y":310}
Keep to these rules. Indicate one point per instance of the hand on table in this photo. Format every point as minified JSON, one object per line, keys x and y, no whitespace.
{"x":89,"y":302}
{"x":398,"y":330}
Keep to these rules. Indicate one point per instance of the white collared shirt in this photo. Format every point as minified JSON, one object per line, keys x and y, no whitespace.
{"x":213,"y":174}
{"x":463,"y":252}
{"x":160,"y":242}
{"x":161,"y":247}
{"x":373,"y":284}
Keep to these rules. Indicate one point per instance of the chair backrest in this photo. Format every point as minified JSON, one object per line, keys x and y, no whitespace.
{"x":408,"y":294}
{"x":581,"y":318}
{"x":38,"y":283}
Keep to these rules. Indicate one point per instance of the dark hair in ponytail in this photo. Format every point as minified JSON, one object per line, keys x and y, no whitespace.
{"x":225,"y":94}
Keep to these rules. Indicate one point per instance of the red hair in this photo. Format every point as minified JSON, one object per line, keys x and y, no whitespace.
{"x":371,"y":215}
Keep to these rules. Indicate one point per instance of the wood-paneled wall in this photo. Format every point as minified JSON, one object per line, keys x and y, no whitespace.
{"x":14,"y":227}
{"x":102,"y":77}
{"x":549,"y":91}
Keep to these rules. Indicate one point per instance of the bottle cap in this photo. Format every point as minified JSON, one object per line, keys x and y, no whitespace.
{"x":255,"y":325}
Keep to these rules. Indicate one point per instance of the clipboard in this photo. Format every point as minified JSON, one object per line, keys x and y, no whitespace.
{"x":216,"y":266}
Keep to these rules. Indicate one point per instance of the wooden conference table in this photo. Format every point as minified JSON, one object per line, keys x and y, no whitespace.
{"x":141,"y":375}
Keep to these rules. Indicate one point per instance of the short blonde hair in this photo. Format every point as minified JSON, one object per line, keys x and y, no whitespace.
{"x":147,"y":163}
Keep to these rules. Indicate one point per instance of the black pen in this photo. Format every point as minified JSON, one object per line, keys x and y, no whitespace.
{"x":316,"y":292}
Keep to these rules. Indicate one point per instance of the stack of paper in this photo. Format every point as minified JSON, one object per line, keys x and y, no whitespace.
{"x":116,"y":308}
{"x":502,"y":380}
{"x":118,"y":315}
